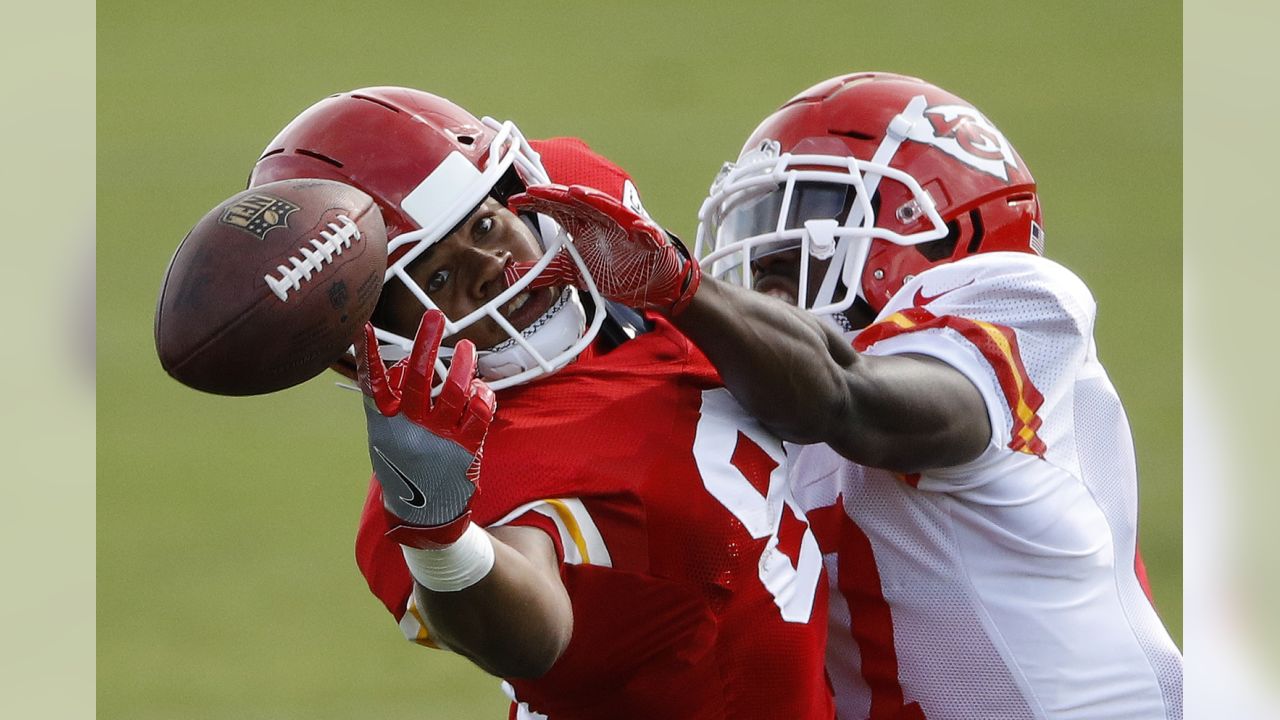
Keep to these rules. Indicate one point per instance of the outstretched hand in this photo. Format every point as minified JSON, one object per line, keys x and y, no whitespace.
{"x":425,"y":455}
{"x":631,"y":259}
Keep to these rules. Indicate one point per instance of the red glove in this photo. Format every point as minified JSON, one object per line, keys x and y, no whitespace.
{"x":426,"y":457}
{"x":631,"y":259}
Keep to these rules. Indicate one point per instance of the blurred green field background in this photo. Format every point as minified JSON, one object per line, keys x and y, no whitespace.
{"x":226,"y":582}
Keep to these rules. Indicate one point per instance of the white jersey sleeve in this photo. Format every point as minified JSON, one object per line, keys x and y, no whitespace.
{"x":1004,"y":587}
{"x":1018,"y":326}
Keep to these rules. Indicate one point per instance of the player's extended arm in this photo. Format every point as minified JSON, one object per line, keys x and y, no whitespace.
{"x":495,"y":598}
{"x":517,"y":620}
{"x":799,"y":378}
{"x":805,"y":383}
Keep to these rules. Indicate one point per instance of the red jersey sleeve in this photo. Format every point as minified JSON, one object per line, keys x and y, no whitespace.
{"x":379,"y":558}
{"x":570,"y":161}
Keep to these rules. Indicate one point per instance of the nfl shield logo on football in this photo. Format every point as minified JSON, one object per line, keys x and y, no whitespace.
{"x":258,"y":214}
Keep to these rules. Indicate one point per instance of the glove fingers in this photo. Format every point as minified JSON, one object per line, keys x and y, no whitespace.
{"x":545,"y":199}
{"x":512,"y":273}
{"x":598,"y":201}
{"x":592,"y":205}
{"x":420,"y":368}
{"x":558,"y":209}
{"x":481,"y":406}
{"x":550,"y":191}
{"x":371,"y":373}
{"x":560,"y":271}
{"x":573,"y":204}
{"x":643,"y":231}
{"x":602,"y":203}
{"x":483,"y":401}
{"x":585,"y":203}
{"x":457,"y":387}
{"x":630,"y":257}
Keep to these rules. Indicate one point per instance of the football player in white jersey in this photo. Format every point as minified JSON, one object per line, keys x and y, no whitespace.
{"x":961,"y":453}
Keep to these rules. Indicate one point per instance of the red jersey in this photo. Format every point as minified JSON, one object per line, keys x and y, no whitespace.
{"x":696,"y":585}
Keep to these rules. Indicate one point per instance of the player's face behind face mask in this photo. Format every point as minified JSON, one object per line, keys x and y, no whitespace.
{"x":464,"y":271}
{"x":777,"y":274}
{"x":772,"y":222}
{"x":775,"y":264}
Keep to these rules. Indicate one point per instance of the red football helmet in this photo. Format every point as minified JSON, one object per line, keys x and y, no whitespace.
{"x":428,"y":164}
{"x":884,"y":174}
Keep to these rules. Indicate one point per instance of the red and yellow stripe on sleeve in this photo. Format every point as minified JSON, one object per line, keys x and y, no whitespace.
{"x":567,"y":521}
{"x":414,"y":625}
{"x":998,"y":344}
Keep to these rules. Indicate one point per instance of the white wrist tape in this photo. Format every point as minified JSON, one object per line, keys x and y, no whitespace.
{"x":453,"y":567}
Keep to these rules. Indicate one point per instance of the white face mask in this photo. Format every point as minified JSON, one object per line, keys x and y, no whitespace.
{"x":438,"y":204}
{"x":769,"y":201}
{"x":559,"y":329}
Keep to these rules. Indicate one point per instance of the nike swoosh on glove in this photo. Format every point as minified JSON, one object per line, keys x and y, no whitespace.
{"x":426,"y":456}
{"x":631,"y":259}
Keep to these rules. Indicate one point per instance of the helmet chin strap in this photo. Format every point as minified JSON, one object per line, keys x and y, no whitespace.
{"x":841,"y":323}
{"x":851,"y":251}
{"x":551,"y":334}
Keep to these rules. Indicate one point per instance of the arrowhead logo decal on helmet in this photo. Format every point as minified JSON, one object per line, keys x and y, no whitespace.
{"x":826,"y":154}
{"x":966,"y":135}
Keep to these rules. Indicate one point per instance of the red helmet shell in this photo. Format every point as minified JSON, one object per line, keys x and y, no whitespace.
{"x":339,"y":138}
{"x":979,"y":184}
{"x":428,"y":164}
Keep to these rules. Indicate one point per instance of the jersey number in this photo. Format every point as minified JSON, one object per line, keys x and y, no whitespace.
{"x":744,"y":468}
{"x":870,"y":618}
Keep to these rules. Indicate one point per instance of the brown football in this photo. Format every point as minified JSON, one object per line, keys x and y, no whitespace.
{"x":270,"y":287}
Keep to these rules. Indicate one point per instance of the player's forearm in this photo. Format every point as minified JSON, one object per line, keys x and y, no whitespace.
{"x":515,"y":622}
{"x":807,"y":385}
{"x":776,"y":359}
{"x":910,"y":413}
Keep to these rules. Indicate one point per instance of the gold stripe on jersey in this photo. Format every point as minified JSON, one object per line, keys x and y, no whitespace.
{"x":580,"y":539}
{"x":415,"y":627}
{"x":1025,"y":414}
{"x":998,"y":344}
{"x":571,"y":525}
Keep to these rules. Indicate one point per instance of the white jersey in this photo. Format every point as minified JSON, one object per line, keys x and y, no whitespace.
{"x":1004,"y":588}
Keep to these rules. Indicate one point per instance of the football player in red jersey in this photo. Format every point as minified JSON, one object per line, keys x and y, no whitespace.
{"x":617,"y":538}
{"x":965,"y":462}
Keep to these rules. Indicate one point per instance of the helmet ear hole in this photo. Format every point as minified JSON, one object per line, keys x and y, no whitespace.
{"x":509,"y":184}
{"x":942,"y":248}
{"x":966,"y":227}
{"x":975,"y":241}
